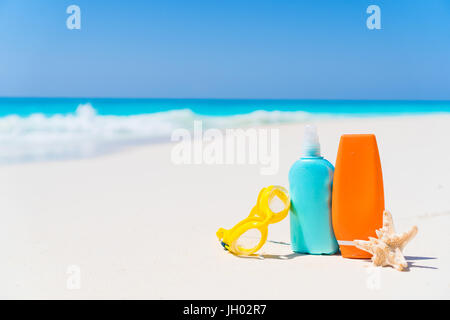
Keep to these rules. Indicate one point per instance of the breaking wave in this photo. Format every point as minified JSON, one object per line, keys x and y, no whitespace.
{"x":85,"y":133}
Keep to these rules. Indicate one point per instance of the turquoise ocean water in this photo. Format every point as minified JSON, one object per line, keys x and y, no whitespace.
{"x":39,"y":129}
{"x":215,"y":107}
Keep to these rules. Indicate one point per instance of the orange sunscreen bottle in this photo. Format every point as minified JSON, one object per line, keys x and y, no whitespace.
{"x":358,"y":195}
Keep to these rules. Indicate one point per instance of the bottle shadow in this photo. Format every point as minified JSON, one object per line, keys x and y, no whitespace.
{"x":410,"y":259}
{"x":273,"y":256}
{"x":279,"y":242}
{"x":288,"y":256}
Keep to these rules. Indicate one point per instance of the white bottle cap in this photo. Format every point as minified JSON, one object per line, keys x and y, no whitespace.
{"x":311,"y":145}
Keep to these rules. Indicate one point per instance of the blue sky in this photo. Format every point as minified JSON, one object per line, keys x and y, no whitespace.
{"x":226,"y":49}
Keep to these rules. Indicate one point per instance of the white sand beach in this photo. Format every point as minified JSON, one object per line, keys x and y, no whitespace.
{"x":140,"y":227}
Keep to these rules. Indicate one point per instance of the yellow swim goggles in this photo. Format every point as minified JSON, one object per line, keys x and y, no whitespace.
{"x":259,"y":219}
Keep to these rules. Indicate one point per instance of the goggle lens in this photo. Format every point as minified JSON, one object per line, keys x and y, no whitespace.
{"x":249,"y":240}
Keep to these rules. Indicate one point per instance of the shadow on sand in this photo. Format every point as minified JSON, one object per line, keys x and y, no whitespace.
{"x":289,"y":256}
{"x":273,"y":256}
{"x":411,"y":262}
{"x":410,"y":259}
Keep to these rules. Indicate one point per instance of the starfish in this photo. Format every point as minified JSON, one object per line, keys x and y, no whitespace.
{"x":387,"y":250}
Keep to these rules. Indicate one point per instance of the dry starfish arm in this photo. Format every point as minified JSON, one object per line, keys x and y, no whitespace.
{"x":407,"y":236}
{"x":364,"y":245}
{"x":388,"y":223}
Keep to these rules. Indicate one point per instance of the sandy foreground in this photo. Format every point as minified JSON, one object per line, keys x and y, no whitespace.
{"x":137,"y":226}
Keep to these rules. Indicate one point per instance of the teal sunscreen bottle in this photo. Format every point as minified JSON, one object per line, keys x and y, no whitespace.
{"x":310,"y":185}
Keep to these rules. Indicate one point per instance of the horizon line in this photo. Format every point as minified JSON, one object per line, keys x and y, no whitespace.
{"x":231,"y":99}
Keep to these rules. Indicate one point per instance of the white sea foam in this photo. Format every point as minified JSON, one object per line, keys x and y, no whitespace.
{"x":85,"y":133}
